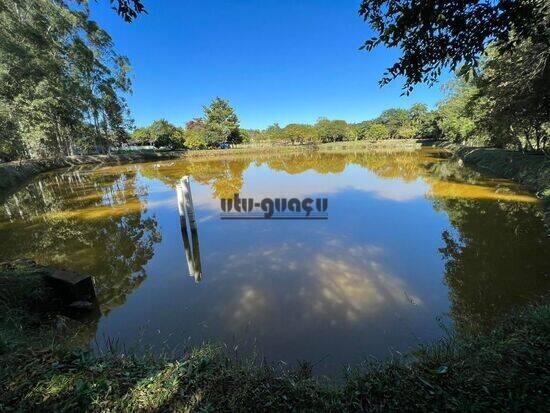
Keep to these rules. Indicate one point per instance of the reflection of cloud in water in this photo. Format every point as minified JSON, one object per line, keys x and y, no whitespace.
{"x":249,"y":302}
{"x":355,"y":291}
{"x":345,"y":285}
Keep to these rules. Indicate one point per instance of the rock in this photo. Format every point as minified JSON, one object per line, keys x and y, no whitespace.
{"x":72,"y":286}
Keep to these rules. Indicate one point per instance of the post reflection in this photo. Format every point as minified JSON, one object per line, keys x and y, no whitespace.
{"x":187,"y":213}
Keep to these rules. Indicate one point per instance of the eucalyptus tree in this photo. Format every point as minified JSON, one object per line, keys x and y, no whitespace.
{"x":61,"y":81}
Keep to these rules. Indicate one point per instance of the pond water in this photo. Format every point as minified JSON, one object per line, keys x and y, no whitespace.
{"x":413,"y":244}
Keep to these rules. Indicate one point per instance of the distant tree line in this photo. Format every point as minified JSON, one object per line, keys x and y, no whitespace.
{"x":220,"y":125}
{"x":416,"y":122}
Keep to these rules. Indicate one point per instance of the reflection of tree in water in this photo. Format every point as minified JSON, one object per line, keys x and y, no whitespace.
{"x":225,"y":175}
{"x":302,"y":162}
{"x":404,"y":165}
{"x":497,"y":259}
{"x":92,"y":223}
{"x":408,"y":166}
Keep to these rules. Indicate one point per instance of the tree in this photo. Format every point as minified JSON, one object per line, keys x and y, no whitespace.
{"x":417,"y":113}
{"x":221,"y":123}
{"x":511,"y":103}
{"x":273,"y":133}
{"x":246,"y":135}
{"x":162,"y":133}
{"x":333,"y":130}
{"x":423,"y":123}
{"x":141,"y":136}
{"x":61,"y":80}
{"x":452,"y":119}
{"x":426,"y":126}
{"x":394,"y":119}
{"x":296,"y":133}
{"x":434,"y":34}
{"x":376,"y":131}
{"x":195,"y":139}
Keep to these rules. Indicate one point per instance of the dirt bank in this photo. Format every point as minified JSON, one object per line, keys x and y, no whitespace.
{"x":13,"y":174}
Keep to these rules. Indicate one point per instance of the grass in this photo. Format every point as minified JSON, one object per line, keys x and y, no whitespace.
{"x":507,"y":368}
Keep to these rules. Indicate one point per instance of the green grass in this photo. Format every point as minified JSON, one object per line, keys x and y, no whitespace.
{"x":503,"y":369}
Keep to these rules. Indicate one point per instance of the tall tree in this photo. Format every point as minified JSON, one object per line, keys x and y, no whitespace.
{"x":512,"y":99}
{"x":60,"y":80}
{"x":221,"y":123}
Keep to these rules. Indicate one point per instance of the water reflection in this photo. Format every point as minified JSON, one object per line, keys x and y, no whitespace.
{"x":412,"y":236}
{"x":94,"y":224}
{"x":492,"y":265}
{"x":187,"y":220}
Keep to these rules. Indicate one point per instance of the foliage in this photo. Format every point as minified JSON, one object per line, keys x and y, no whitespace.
{"x":512,"y":99}
{"x":418,"y":122}
{"x":452,"y":118}
{"x":394,"y":119}
{"x":297,"y":133}
{"x":159,"y":134}
{"x":333,"y":130}
{"x":129,"y":9}
{"x":195,"y":139}
{"x":221,"y":123}
{"x":436,"y":34}
{"x":500,"y":51}
{"x":506,"y":104}
{"x":373,"y":131}
{"x":60,"y":79}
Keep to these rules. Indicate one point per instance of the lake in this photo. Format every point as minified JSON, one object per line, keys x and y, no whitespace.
{"x":413,"y":245}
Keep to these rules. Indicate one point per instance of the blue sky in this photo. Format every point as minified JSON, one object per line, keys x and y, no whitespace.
{"x":275,"y":61}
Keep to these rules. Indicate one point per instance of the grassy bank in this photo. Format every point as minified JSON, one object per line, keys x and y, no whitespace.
{"x":43,"y":369}
{"x":385,"y":144}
